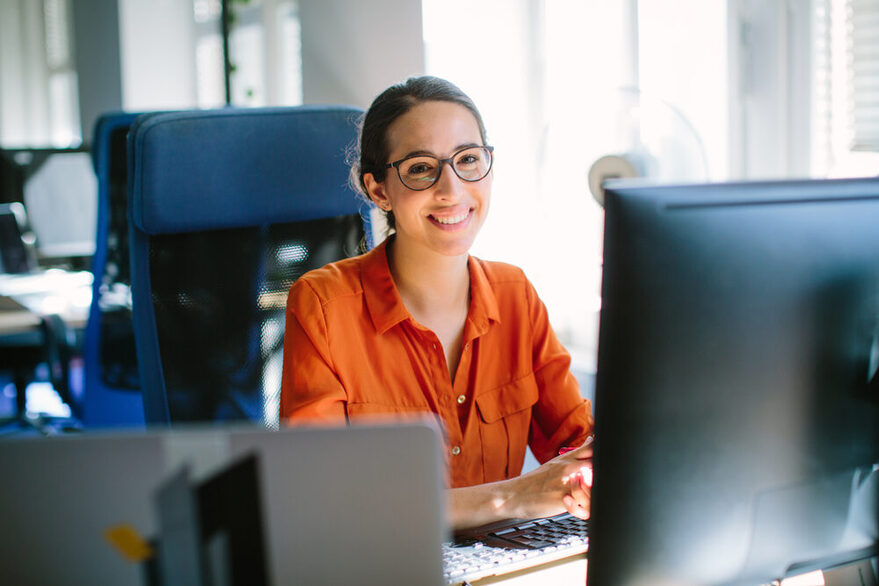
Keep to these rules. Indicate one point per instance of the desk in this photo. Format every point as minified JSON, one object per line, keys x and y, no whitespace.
{"x":25,"y":301}
{"x":569,"y":571}
{"x":24,"y":298}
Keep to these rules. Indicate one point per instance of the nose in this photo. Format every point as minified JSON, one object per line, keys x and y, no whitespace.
{"x":448,"y":184}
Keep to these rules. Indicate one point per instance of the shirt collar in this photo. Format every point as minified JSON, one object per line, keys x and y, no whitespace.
{"x":386,"y":307}
{"x":483,"y":303}
{"x":382,"y":298}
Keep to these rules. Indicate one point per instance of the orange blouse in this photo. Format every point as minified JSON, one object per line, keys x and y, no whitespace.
{"x":352,"y":349}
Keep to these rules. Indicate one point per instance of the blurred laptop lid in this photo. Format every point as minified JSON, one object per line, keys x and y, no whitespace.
{"x":336,"y":505}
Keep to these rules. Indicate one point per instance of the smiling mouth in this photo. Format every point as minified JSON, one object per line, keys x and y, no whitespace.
{"x":451,"y":220}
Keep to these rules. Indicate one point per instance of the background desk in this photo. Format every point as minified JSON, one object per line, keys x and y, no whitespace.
{"x":42,"y":318}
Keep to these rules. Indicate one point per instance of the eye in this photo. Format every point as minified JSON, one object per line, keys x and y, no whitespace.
{"x":469,"y":159}
{"x":419,"y":167}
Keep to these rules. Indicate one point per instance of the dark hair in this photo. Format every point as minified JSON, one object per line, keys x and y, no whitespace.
{"x":372,"y":149}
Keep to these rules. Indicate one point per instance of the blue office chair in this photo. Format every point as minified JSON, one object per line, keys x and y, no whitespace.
{"x":228,"y":208}
{"x":112,"y":396}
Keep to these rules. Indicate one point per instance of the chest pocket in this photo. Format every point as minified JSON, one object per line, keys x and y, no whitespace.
{"x":504,"y":423}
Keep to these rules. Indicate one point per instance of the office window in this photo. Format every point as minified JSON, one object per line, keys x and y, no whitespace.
{"x":38,"y":83}
{"x":208,"y":53}
{"x":846,"y":88}
{"x":562,"y":83}
{"x":264,"y":50}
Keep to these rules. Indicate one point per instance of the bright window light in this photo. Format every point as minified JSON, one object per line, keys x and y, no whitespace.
{"x":547,"y":77}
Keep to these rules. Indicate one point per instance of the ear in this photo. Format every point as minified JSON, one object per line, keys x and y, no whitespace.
{"x":376,"y":192}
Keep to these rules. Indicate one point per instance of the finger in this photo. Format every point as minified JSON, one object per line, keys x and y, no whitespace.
{"x":581,"y":489}
{"x":577,"y":472}
{"x":575,"y":508}
{"x":583,"y":496}
{"x":586,"y":476}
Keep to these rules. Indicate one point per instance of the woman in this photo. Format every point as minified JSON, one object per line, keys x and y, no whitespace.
{"x":417,"y":325}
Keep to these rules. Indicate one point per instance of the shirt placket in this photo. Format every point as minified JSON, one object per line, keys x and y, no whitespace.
{"x":462,"y":398}
{"x":441,"y":384}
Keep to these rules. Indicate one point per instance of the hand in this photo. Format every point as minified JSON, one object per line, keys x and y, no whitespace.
{"x":561,"y":484}
{"x":579,"y":500}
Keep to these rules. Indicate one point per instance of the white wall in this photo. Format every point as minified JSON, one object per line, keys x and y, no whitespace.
{"x":96,"y":56}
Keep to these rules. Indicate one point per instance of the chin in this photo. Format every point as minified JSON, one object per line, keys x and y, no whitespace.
{"x":455,"y":249}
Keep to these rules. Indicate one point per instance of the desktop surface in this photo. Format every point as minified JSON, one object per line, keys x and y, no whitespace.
{"x":45,"y":292}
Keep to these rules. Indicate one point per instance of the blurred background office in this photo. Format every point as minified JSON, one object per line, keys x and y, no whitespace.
{"x":682,"y":90}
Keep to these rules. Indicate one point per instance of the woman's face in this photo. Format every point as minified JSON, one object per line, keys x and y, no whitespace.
{"x":446,"y":217}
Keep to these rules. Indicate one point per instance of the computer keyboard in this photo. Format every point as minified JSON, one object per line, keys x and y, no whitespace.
{"x":506,"y":547}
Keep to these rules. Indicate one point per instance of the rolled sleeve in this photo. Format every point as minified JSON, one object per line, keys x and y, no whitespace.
{"x":310,"y":389}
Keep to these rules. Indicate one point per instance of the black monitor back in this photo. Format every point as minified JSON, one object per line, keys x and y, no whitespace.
{"x":737,"y":403}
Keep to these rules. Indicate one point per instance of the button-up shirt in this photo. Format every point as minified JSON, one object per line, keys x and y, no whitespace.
{"x":352,"y":349}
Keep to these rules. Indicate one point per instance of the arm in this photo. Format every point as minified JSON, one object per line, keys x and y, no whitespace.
{"x":561,"y":417}
{"x":310,"y":389}
{"x":557,"y":486}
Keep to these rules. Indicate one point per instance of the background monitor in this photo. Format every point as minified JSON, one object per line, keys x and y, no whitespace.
{"x":737,"y":401}
{"x":59,"y":191}
{"x":11,"y":179}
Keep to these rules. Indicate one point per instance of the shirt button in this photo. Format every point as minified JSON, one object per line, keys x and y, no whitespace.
{"x":461,"y":399}
{"x":456,"y":450}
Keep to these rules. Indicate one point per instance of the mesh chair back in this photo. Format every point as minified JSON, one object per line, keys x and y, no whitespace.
{"x":112,"y":390}
{"x":228,"y":209}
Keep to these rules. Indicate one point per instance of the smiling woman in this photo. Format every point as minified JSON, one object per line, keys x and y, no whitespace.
{"x":419,"y":326}
{"x":445,"y":212}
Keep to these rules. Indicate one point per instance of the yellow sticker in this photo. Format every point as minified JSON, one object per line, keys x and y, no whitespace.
{"x":128,"y":541}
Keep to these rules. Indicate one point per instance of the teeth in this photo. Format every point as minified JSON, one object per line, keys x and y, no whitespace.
{"x":453,"y":219}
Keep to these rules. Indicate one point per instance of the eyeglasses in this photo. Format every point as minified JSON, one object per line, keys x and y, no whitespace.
{"x":420,"y":172}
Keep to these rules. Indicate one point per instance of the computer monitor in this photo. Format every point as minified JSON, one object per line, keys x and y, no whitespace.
{"x":59,"y":191}
{"x":737,"y":401}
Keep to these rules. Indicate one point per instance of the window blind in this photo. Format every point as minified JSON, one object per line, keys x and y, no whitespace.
{"x":863,"y":57}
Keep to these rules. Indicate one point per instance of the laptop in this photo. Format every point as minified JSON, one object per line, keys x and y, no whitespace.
{"x":328,"y":505}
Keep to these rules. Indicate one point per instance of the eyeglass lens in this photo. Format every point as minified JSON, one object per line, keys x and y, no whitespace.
{"x":421,"y":172}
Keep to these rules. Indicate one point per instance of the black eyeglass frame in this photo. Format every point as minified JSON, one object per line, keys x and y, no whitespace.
{"x":441,"y":162}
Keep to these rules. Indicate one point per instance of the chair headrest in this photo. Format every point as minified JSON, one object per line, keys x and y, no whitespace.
{"x":214,"y":169}
{"x":105,"y":126}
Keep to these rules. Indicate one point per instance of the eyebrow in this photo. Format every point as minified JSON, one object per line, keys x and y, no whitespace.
{"x":460,"y":147}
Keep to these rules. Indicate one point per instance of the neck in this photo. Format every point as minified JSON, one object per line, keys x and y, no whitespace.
{"x":429,"y":280}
